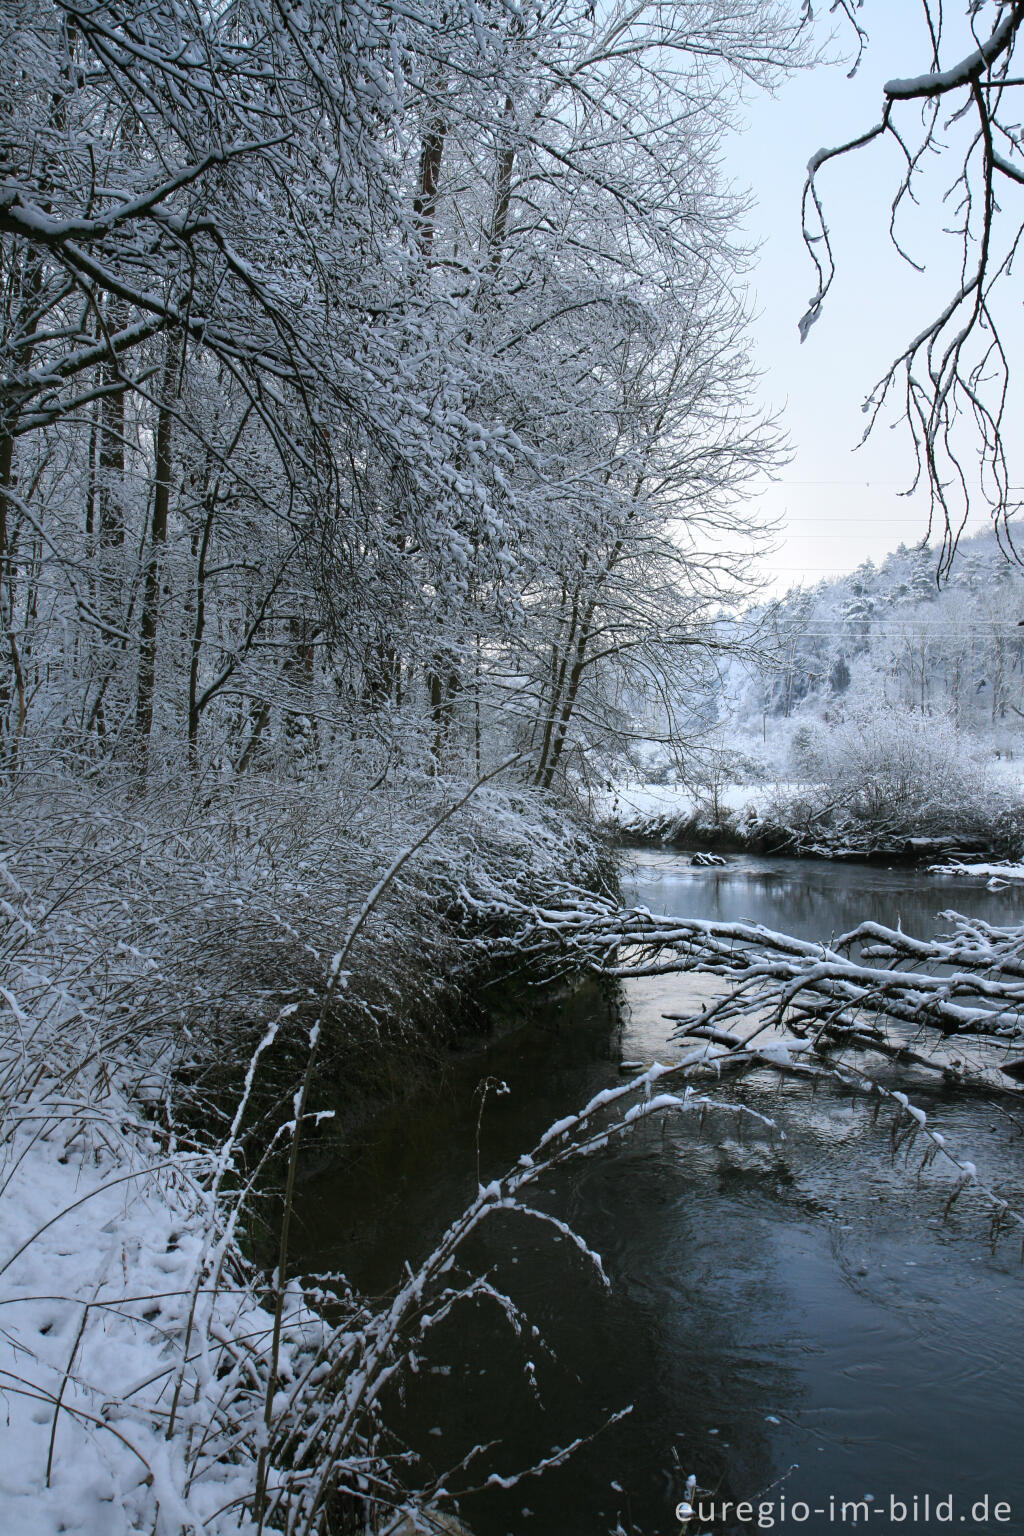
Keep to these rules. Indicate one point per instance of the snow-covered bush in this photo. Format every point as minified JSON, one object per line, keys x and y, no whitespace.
{"x":895,"y":771}
{"x":807,"y":758}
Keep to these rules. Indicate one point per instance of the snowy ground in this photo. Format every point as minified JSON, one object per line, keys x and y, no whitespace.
{"x":102,"y":1245}
{"x":133,"y":1348}
{"x":1007,"y":773}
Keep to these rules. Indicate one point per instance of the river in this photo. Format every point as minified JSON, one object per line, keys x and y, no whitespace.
{"x":792,"y":1320}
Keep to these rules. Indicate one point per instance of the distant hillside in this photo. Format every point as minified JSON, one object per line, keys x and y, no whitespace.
{"x":887,"y":635}
{"x":871,"y":708}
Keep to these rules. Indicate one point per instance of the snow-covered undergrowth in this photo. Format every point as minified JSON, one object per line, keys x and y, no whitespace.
{"x":860,"y":808}
{"x":107,"y":1236}
{"x":151,"y":1379}
{"x":886,"y":773}
{"x":678,"y":812}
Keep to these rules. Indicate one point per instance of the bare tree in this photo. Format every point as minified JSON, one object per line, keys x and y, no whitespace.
{"x":953,"y":377}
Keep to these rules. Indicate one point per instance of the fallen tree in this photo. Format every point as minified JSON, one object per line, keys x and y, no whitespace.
{"x":951,"y":1004}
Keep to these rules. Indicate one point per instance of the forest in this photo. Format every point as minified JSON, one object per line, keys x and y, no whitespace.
{"x":878,"y":706}
{"x":379,"y":446}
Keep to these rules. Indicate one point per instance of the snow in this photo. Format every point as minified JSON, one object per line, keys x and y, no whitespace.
{"x":1001,"y":871}
{"x":630,"y":806}
{"x":939,"y":82}
{"x":652,"y":1106}
{"x":780,"y":1052}
{"x":101,"y":1243}
{"x":557,"y":1129}
{"x":911,"y":1109}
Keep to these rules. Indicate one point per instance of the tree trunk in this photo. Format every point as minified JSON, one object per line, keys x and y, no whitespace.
{"x":197,"y":634}
{"x":110,"y":479}
{"x":425,"y":202}
{"x":259,"y":725}
{"x":150,"y":617}
{"x":32,"y":283}
{"x":502,"y":190}
{"x":553,"y":710}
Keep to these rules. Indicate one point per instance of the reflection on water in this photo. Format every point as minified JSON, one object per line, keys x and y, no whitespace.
{"x":809,"y":898}
{"x":795,"y":1304}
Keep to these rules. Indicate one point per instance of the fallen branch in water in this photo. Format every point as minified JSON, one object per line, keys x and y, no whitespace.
{"x":826,"y":986}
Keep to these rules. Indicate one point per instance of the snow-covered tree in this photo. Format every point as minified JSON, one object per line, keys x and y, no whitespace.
{"x":348,"y":355}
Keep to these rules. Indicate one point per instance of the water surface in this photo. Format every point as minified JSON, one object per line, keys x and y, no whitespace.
{"x":789,"y":1319}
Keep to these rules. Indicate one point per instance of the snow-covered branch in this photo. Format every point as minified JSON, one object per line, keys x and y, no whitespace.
{"x":955,"y":370}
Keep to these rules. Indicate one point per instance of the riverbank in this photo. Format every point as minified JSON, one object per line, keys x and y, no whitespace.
{"x":784,"y":820}
{"x":165,"y":962}
{"x":166,"y":968}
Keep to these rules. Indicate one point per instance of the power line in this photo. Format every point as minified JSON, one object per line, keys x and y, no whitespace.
{"x":991,"y":625}
{"x":856,"y":484}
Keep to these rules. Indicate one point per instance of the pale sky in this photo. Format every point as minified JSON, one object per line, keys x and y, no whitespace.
{"x":838,"y":506}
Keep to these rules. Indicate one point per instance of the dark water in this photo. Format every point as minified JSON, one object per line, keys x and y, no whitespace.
{"x":791,"y":1320}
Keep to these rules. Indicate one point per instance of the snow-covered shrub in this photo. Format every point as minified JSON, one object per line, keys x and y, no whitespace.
{"x":807,"y":756}
{"x":895,"y":771}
